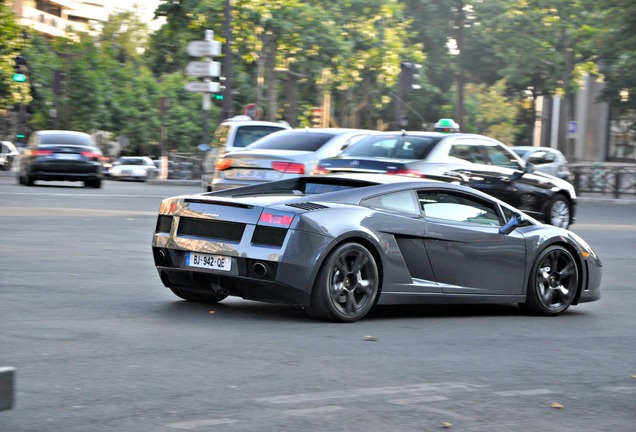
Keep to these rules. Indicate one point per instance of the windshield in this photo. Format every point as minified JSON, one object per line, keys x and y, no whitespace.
{"x":392,"y":146}
{"x":300,"y":141}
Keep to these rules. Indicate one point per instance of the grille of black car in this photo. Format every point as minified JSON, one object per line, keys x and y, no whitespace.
{"x":220,"y":230}
{"x":269,"y":236}
{"x":307,"y":206}
{"x":164,"y":223}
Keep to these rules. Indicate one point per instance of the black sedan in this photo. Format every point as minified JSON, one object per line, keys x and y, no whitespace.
{"x":54,"y":155}
{"x":338,"y":245}
{"x":474,"y":160}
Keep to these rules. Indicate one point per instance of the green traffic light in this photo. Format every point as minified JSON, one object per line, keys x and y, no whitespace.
{"x":17,"y":77}
{"x":19,"y":136}
{"x":218,"y":96}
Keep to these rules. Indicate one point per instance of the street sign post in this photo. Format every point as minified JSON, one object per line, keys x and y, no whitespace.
{"x":203,"y":86}
{"x":204,"y":48}
{"x":203,"y":69}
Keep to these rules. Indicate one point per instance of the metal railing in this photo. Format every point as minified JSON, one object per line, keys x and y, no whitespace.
{"x":607,"y":179}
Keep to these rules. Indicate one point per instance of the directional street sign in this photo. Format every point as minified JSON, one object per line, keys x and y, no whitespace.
{"x":204,"y":48}
{"x":203,"y":86}
{"x":203,"y":69}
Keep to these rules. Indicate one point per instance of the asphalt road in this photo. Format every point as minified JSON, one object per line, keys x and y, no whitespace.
{"x":99,"y":344}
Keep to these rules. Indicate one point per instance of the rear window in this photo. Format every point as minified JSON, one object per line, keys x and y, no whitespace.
{"x":300,"y":141}
{"x":62,"y":138}
{"x":394,"y":146}
{"x":132,"y":161}
{"x":246,"y":135}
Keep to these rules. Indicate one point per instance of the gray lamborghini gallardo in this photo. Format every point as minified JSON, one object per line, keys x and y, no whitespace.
{"x":337,"y":245}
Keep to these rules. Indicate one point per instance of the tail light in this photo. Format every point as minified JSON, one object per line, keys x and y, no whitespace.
{"x":289,"y":167}
{"x":41,"y":152}
{"x":407,"y":173}
{"x":168,"y":207}
{"x":319,"y":170}
{"x":278,"y":219}
{"x":91,"y":155}
{"x":223,"y":164}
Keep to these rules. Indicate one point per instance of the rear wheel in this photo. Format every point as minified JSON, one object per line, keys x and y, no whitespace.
{"x":559,"y":212}
{"x":347,"y":285}
{"x":95,"y":183}
{"x":198,"y":297}
{"x":553,"y":282}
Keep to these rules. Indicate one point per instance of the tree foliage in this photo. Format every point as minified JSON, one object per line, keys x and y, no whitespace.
{"x":489,"y":57}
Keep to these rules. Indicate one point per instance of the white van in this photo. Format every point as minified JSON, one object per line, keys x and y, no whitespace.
{"x":234,"y":134}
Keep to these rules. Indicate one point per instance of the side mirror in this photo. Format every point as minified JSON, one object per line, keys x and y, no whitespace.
{"x":513,"y":223}
{"x":529,"y":168}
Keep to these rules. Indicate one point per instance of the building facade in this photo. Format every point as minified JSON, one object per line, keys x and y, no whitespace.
{"x":55,"y":18}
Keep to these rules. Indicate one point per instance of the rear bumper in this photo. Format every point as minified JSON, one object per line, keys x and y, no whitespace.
{"x":67,"y":173}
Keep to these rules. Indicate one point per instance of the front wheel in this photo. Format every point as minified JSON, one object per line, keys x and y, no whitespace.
{"x":553,"y":282}
{"x":559,"y":212}
{"x":347,"y":285}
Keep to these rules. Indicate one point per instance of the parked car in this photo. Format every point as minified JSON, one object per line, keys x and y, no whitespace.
{"x":8,"y":155}
{"x":281,"y":155}
{"x":338,"y":245}
{"x":140,"y":168}
{"x":61,"y":155}
{"x":231,"y":135}
{"x":545,"y":159}
{"x":474,"y":160}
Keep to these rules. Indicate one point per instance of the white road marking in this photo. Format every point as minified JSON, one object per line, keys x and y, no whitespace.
{"x":313,"y":411}
{"x":417,"y":400}
{"x":196,"y":424}
{"x":364,"y":392}
{"x":530,"y":392}
{"x":50,"y":211}
{"x":620,"y":389}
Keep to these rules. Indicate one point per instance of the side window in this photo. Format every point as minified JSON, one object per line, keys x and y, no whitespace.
{"x":401,"y":201}
{"x":499,"y":156}
{"x":468,"y":152}
{"x":456,"y":207}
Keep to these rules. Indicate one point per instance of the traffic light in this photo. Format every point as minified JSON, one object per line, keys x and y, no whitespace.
{"x":20,"y":68}
{"x":316,"y":117}
{"x":218,"y":96}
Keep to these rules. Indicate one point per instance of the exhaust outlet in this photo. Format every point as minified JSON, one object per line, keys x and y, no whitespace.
{"x":162,"y":258}
{"x":260,"y":270}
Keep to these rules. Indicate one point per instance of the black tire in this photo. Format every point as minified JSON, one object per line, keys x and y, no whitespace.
{"x":559,"y":212}
{"x":28,"y":180}
{"x":553,"y":282}
{"x":198,"y":297}
{"x":347,"y":285}
{"x":96,"y":183}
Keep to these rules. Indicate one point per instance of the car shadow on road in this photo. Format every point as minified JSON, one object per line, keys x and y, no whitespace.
{"x":257,"y":311}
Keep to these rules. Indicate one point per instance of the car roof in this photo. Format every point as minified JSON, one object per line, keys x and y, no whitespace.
{"x":51,"y":132}
{"x":534,"y":148}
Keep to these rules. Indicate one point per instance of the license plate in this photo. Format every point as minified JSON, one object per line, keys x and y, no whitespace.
{"x":212,"y":262}
{"x":67,"y":156}
{"x":250,"y":174}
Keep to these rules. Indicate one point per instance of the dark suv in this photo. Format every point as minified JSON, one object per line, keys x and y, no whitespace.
{"x":61,"y":155}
